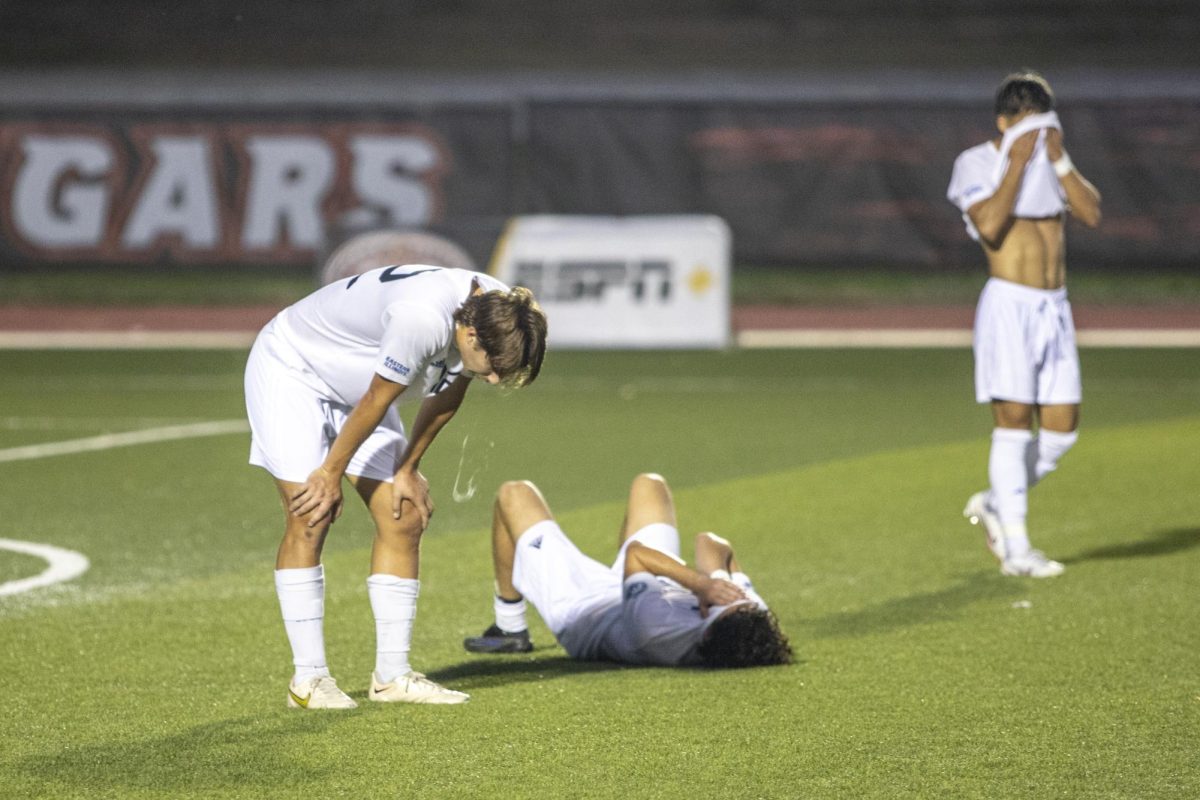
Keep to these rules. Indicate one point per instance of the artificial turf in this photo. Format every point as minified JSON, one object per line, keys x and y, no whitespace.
{"x":838,"y":475}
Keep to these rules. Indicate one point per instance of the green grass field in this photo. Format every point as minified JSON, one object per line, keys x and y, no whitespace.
{"x":839,"y":475}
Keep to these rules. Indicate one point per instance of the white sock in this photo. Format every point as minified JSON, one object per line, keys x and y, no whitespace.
{"x":1016,"y":539}
{"x":1007,"y":471}
{"x":510,"y":616}
{"x":302,"y":604}
{"x":394,"y":602}
{"x":1050,"y":447}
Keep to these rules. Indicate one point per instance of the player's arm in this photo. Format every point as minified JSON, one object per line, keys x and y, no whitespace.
{"x":435,"y":411}
{"x":993,"y":216}
{"x":714,"y":553}
{"x":710,"y":591}
{"x":1083,"y":199}
{"x":321,"y":494}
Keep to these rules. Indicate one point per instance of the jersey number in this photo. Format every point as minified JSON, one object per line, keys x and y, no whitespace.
{"x":393,"y":274}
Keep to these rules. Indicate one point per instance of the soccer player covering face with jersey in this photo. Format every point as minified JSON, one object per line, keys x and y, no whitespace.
{"x":1015,"y":192}
{"x":322,"y":382}
{"x":649,"y":607}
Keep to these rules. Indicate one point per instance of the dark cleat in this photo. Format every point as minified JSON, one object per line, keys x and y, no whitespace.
{"x":494,"y":640}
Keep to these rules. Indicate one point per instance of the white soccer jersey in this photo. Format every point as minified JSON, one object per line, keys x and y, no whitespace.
{"x":597,"y":615}
{"x":648,"y":621}
{"x":660,"y":622}
{"x":654,"y":621}
{"x":397,"y":322}
{"x":977,"y":173}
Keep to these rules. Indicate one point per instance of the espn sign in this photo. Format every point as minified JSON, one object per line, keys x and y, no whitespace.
{"x":199,"y":192}
{"x":647,"y":281}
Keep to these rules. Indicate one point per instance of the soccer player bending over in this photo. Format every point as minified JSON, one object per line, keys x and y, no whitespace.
{"x":322,"y":382}
{"x":1015,"y":192}
{"x":649,"y":607}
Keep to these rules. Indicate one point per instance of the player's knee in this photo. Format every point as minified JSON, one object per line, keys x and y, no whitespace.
{"x":514,"y":493}
{"x":299,"y":533}
{"x":1008,"y":414}
{"x":405,"y":531}
{"x":649,"y":483}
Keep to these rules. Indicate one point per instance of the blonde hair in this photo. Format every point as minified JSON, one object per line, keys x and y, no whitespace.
{"x":511,"y":328}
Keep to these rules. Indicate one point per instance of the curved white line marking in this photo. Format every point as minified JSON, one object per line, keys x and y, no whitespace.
{"x":64,"y":565}
{"x":110,"y":440}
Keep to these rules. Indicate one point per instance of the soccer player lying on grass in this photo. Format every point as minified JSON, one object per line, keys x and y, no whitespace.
{"x":649,"y":607}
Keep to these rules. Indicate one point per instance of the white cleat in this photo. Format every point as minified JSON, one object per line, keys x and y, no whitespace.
{"x":319,"y":692}
{"x":414,"y":688}
{"x":1033,"y":564}
{"x":978,"y":512}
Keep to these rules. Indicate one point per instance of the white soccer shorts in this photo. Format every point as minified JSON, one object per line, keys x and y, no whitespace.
{"x":293,"y":423}
{"x":562,"y":582}
{"x":1025,"y":346}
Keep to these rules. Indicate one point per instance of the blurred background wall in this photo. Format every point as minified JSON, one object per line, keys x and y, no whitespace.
{"x":260,"y":133}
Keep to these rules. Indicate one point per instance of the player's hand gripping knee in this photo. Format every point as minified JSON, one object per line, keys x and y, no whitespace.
{"x":412,"y":486}
{"x":318,"y":498}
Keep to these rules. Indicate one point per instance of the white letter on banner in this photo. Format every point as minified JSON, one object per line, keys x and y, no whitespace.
{"x":178,"y":198}
{"x":385,"y":170}
{"x":288,"y":179}
{"x":70,"y":215}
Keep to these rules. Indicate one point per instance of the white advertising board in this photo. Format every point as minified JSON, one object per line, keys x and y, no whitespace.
{"x":623,"y":282}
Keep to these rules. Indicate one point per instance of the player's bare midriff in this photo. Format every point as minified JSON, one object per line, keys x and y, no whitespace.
{"x":1033,"y":253}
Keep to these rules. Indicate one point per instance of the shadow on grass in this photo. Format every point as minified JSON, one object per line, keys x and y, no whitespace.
{"x":486,"y":671}
{"x":902,"y":612}
{"x":1160,"y":544}
{"x":249,"y":754}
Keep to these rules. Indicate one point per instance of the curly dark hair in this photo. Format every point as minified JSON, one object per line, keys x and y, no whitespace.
{"x":1021,"y":91}
{"x":747,"y":636}
{"x":511,"y":328}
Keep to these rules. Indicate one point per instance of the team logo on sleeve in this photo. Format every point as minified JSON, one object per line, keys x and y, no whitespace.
{"x":396,"y":366}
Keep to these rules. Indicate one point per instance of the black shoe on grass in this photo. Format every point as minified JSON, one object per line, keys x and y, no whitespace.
{"x":494,"y":640}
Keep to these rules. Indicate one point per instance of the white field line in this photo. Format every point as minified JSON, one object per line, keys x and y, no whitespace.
{"x":68,"y":564}
{"x":86,"y":423}
{"x":751,"y":338}
{"x":1116,"y":337}
{"x":110,"y":440}
{"x":951,"y":338}
{"x":64,"y":565}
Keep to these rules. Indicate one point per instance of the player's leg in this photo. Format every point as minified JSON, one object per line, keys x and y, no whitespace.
{"x":649,"y":519}
{"x":1060,"y":391}
{"x":287,"y":420}
{"x":300,"y":586}
{"x":393,"y":587}
{"x":650,"y":503}
{"x":1011,"y":469}
{"x":1008,"y":472}
{"x":1058,"y":395}
{"x":519,"y":505}
{"x":302,"y":544}
{"x":1057,"y":433}
{"x":1005,"y":379}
